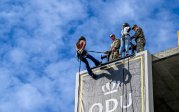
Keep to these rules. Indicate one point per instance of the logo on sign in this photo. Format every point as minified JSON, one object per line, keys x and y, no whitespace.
{"x":108,"y":89}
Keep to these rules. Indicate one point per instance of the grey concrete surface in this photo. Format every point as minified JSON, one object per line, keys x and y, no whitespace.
{"x":165,"y":69}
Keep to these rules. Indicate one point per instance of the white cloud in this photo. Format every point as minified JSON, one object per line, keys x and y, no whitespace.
{"x":18,"y":56}
{"x":37,"y":51}
{"x":5,"y":79}
{"x":28,"y":97}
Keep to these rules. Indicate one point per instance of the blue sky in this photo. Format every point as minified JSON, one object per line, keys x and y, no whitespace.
{"x":37,"y":38}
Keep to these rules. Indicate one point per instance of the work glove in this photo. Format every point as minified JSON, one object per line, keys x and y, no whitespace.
{"x":80,"y":51}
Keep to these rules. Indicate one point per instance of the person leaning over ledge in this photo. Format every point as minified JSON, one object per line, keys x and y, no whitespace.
{"x":82,"y":55}
{"x":139,"y":38}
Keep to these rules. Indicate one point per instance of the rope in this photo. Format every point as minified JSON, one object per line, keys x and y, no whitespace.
{"x":122,"y":87}
{"x":79,"y":83}
{"x":131,"y":88}
{"x":126,"y":95}
{"x":125,"y":85}
{"x":96,"y":51}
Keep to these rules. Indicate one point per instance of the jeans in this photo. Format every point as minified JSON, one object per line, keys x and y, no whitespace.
{"x":124,"y":44}
{"x":83,"y":59}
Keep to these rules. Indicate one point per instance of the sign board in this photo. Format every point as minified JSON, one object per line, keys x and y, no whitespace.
{"x":120,"y":86}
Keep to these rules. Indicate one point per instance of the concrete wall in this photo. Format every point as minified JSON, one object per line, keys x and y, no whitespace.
{"x":165,"y":68}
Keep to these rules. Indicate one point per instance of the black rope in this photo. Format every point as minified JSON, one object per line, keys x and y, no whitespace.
{"x":122,"y":87}
{"x":79,"y":84}
{"x":126,"y":84}
{"x":131,"y":88}
{"x":96,"y":51}
{"x":126,"y":96}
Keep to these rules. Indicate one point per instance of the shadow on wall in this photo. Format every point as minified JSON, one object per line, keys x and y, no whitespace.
{"x":119,"y":75}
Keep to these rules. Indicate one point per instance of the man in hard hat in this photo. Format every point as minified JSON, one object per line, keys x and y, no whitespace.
{"x":139,"y":38}
{"x":114,"y":48}
{"x":82,"y":55}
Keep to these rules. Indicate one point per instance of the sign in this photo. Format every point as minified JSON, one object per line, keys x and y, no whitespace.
{"x":118,"y":87}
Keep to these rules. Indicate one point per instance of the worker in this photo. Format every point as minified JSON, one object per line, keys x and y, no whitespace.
{"x":125,"y":40}
{"x":113,"y":53}
{"x":139,"y":38}
{"x":82,"y":54}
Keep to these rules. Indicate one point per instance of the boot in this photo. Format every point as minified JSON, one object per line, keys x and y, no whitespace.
{"x":127,"y":54}
{"x":93,"y":76}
